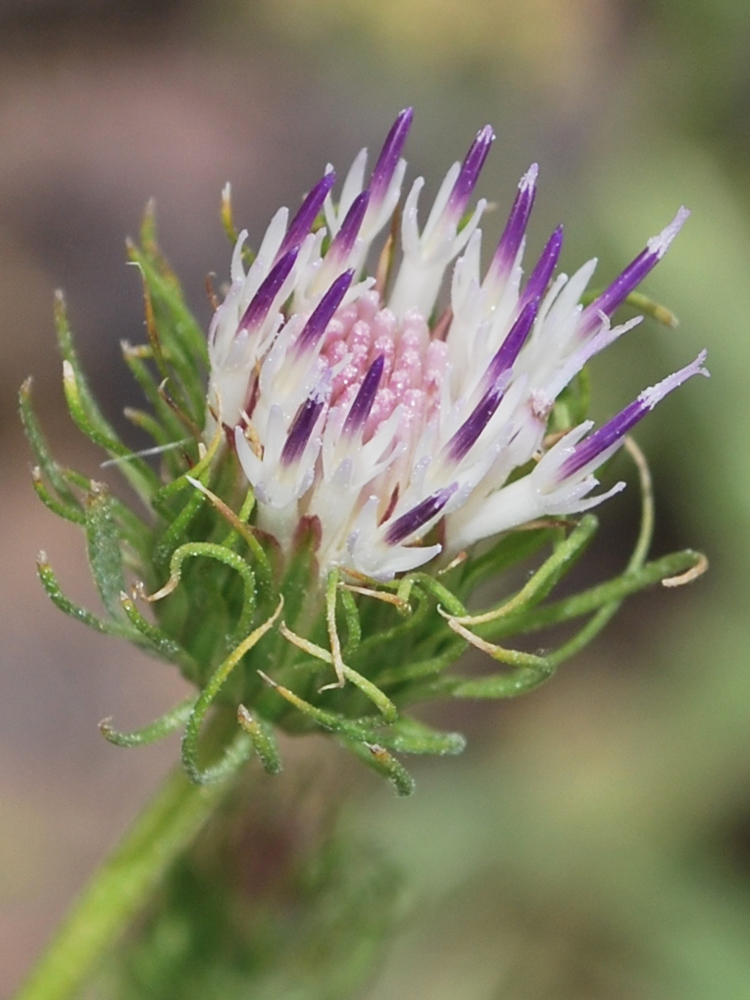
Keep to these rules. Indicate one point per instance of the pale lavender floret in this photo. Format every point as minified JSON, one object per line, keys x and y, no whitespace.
{"x":633,"y":274}
{"x":515,"y":227}
{"x":301,"y":429}
{"x":269,"y":288}
{"x":308,"y":211}
{"x":389,"y":156}
{"x":508,"y":351}
{"x":345,"y":238}
{"x":540,"y":276}
{"x":323,"y":313}
{"x":470,"y":170}
{"x":611,"y":433}
{"x":363,"y":401}
{"x":419,"y":516}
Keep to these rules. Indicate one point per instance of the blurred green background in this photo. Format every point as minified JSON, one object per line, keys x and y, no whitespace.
{"x":594,"y":840}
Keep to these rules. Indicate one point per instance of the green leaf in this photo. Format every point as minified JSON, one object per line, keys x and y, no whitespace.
{"x":368,"y":654}
{"x":376,"y":757}
{"x":353,"y":624}
{"x":104,"y":552}
{"x":185,"y":380}
{"x":509,"y":685}
{"x":132,"y":529}
{"x":183,"y":331}
{"x":241,"y":747}
{"x":176,"y":530}
{"x":163,"y":726}
{"x":86,"y":413}
{"x":403,"y":673}
{"x":594,"y":598}
{"x":52,"y":587}
{"x":136,"y":359}
{"x":510,"y":550}
{"x":264,"y":741}
{"x":407,"y":735}
{"x":643,"y":304}
{"x":549,"y":574}
{"x":36,"y":439}
{"x":70,"y":512}
{"x":161,"y":643}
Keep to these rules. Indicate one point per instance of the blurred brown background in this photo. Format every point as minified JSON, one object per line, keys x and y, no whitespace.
{"x":594,"y":841}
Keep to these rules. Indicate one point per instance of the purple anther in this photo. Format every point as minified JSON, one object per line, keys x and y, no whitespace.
{"x":344,"y":240}
{"x":301,"y":429}
{"x":506,"y":355}
{"x":539,"y":278}
{"x":363,"y":401}
{"x":323,"y":313}
{"x":515,"y":227}
{"x":269,"y":288}
{"x":308,"y":211}
{"x":470,"y":170}
{"x":633,"y":274}
{"x":418,"y":516}
{"x":466,"y":436}
{"x":389,"y":155}
{"x":614,"y":430}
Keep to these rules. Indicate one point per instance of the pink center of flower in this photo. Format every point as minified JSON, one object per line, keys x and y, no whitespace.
{"x":413,"y":369}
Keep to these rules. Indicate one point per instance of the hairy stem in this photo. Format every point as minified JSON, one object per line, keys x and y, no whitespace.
{"x":121,"y":886}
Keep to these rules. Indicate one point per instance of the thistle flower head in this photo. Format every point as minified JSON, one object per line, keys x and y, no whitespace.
{"x":402,"y":408}
{"x":378,"y":403}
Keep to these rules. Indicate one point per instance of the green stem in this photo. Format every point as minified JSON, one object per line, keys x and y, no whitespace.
{"x":121,"y":886}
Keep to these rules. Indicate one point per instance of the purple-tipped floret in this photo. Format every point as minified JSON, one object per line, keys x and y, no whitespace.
{"x":614,"y":430}
{"x":360,"y":409}
{"x":389,"y":155}
{"x":307,"y":213}
{"x":470,"y":170}
{"x":466,"y":436}
{"x":344,"y":240}
{"x":301,"y":429}
{"x":506,"y":355}
{"x":323,"y":313}
{"x":418,"y":516}
{"x":539,"y":278}
{"x":633,"y":274}
{"x":269,"y":288}
{"x":515,"y":227}
{"x":622,"y":286}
